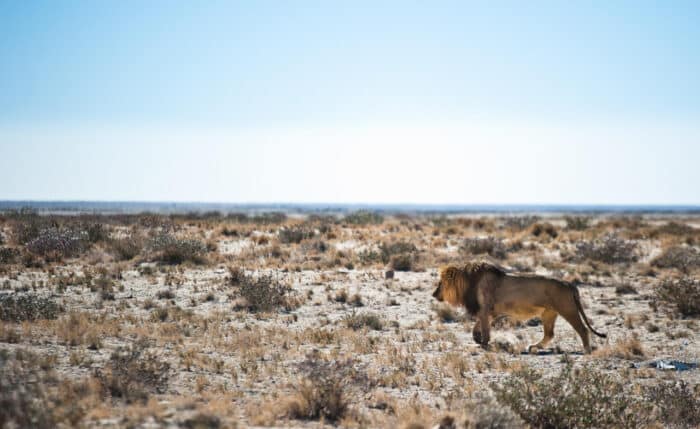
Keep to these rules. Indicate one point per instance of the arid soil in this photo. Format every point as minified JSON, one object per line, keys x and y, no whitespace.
{"x":239,"y":321}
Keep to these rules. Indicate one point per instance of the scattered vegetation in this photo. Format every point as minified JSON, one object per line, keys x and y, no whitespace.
{"x":356,"y":321}
{"x":31,"y":395}
{"x":520,"y":223}
{"x":295,"y":234}
{"x":170,"y":250}
{"x":126,"y":248}
{"x":683,"y":295}
{"x":577,"y":223}
{"x":364,"y":217}
{"x":263,"y":293}
{"x":23,"y":307}
{"x":324,"y":391}
{"x":489,"y":245}
{"x":684,"y":258}
{"x":609,"y":249}
{"x":133,"y":373}
{"x":577,"y":397}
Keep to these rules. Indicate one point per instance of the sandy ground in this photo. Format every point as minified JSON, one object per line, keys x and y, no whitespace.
{"x":244,"y":366}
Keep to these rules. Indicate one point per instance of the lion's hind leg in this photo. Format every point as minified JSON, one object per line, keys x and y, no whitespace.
{"x":548,"y":319}
{"x":575,"y":321}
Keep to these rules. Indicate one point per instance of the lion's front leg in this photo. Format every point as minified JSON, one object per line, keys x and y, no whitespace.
{"x":476,"y":332}
{"x":485,"y":328}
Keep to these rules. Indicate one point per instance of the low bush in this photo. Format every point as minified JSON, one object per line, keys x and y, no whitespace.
{"x":264,"y":293}
{"x":170,"y":250}
{"x":610,"y":249}
{"x":364,"y":217}
{"x":21,"y":307}
{"x":576,"y":398}
{"x":542,"y":229}
{"x":134,"y":373}
{"x":126,"y":248}
{"x":55,"y":244}
{"x":577,"y":223}
{"x":8,"y":255}
{"x":486,"y":413}
{"x":489,"y":245}
{"x":684,"y":258}
{"x":295,"y":234}
{"x":683,"y":295}
{"x":325,"y":390}
{"x":357,"y":321}
{"x":678,"y":404}
{"x":27,"y":395}
{"x":520,"y":222}
{"x":402,"y":262}
{"x":387,"y":250}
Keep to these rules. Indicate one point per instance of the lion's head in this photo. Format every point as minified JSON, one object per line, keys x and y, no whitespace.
{"x":457,"y":286}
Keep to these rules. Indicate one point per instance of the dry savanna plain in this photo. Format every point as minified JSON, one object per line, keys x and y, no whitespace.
{"x":270,"y":320}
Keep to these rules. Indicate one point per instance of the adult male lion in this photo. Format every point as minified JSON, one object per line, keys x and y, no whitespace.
{"x":486,"y":291}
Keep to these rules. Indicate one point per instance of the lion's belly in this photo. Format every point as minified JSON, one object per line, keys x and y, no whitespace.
{"x":518,"y":311}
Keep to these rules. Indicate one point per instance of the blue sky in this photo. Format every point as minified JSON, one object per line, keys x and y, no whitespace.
{"x":440,"y":102}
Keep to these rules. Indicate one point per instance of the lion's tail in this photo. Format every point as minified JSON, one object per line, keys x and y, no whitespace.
{"x":577,"y":299}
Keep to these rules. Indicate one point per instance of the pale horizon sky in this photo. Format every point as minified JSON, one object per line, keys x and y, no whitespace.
{"x":351,"y":102}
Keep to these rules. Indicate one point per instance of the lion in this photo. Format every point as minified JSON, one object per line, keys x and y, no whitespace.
{"x":488,"y":291}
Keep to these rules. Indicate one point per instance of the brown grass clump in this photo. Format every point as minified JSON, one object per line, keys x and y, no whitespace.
{"x":626,"y":348}
{"x":127,"y":248}
{"x":32,"y":396}
{"x":683,"y":295}
{"x":581,"y":397}
{"x":356,"y":321}
{"x":325,"y":389}
{"x":133,"y":373}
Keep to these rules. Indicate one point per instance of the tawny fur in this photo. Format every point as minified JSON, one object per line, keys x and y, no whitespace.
{"x":487,"y":292}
